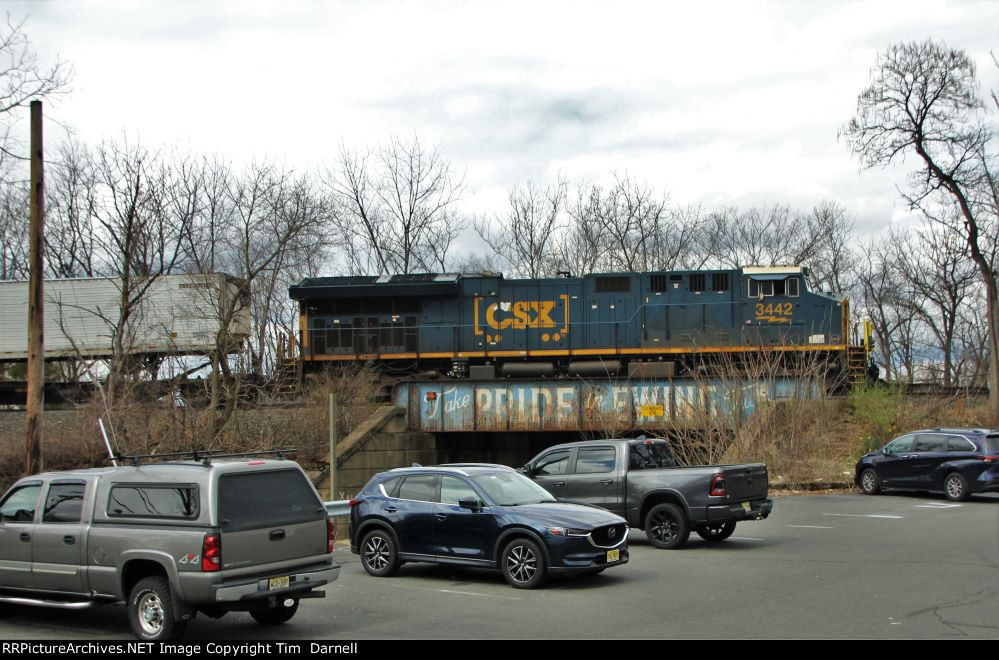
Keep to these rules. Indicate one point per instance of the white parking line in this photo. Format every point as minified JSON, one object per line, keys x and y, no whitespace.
{"x":472,"y":593}
{"x":809,"y":527}
{"x":746,"y":538}
{"x":937,"y":505}
{"x":864,"y":515}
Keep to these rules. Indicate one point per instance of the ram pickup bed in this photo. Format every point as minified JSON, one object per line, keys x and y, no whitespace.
{"x":640,"y":480}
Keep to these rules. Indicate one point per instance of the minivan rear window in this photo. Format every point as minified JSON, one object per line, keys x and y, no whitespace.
{"x":251,"y":500}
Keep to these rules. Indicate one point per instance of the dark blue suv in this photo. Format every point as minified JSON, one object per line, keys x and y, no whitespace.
{"x":480,"y":516}
{"x":957,"y":462}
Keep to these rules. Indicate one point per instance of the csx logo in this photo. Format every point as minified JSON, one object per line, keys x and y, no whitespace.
{"x":521,"y":315}
{"x":524,"y":314}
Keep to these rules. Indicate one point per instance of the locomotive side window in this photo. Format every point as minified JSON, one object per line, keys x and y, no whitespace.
{"x":696,"y":283}
{"x":719,"y":282}
{"x":658,"y":283}
{"x":770,"y":288}
{"x":613,"y":284}
{"x":758,"y":288}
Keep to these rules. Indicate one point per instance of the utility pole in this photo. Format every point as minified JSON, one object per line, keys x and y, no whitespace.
{"x":36,"y":300}
{"x":334,"y":418}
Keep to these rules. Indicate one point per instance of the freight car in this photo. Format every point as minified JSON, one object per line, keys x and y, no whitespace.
{"x":178,"y":315}
{"x":650,"y":325}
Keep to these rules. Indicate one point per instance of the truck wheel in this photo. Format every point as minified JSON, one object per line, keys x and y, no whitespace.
{"x":274,"y":616}
{"x":716,"y":532}
{"x":150,"y":611}
{"x":666,"y":526}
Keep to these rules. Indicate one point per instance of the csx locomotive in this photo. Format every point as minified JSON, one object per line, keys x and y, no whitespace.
{"x":656,"y":324}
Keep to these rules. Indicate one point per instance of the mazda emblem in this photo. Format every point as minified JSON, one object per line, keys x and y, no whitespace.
{"x":611,"y":532}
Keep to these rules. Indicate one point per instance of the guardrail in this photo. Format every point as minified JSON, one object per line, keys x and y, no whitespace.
{"x":337,"y":509}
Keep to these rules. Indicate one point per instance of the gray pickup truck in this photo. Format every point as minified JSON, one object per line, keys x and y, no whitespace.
{"x":169,"y":539}
{"x":640,"y":480}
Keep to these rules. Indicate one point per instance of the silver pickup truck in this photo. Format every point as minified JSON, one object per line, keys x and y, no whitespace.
{"x":169,"y":539}
{"x":640,"y":480}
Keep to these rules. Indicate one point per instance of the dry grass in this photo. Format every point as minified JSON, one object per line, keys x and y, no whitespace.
{"x":73,"y":440}
{"x":804,"y":438}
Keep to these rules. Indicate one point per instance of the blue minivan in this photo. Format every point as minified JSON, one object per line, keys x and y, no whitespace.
{"x":956,"y":462}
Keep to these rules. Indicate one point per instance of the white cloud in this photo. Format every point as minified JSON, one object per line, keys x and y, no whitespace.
{"x":723,"y":102}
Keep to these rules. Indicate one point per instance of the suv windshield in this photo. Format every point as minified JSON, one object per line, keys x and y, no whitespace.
{"x":511,"y":489}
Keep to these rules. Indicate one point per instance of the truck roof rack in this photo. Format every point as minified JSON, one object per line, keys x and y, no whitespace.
{"x":205,"y":456}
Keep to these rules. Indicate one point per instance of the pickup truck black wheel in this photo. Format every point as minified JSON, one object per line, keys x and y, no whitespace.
{"x":666,"y":526}
{"x":378,"y":554}
{"x":717,"y":531}
{"x":150,"y":611}
{"x":955,"y":487}
{"x":870,"y":483}
{"x":523,"y":564}
{"x":274,"y":616}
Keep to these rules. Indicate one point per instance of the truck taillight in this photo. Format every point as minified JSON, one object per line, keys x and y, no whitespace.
{"x":211,"y":553}
{"x":718,"y":486}
{"x":330,"y":535}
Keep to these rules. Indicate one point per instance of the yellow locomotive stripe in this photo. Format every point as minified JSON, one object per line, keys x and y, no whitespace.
{"x":675,"y":350}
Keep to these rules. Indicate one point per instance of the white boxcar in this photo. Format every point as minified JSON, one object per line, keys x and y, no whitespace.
{"x":179,"y":314}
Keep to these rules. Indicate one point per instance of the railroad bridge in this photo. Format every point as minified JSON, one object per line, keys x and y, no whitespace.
{"x":509,"y":421}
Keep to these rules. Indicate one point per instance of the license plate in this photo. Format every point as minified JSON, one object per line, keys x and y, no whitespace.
{"x":613,"y":555}
{"x":279,"y":582}
{"x":747,"y":506}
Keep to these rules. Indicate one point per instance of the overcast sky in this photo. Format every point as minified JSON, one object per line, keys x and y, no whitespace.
{"x":720,"y":103}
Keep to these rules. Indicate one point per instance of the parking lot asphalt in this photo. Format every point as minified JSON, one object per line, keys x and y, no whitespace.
{"x":822,"y":566}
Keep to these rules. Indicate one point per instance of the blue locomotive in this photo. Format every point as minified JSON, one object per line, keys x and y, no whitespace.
{"x":654,"y":325}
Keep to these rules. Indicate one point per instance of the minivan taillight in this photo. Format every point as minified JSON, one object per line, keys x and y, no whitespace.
{"x":211,"y":553}
{"x":330,"y":535}
{"x":718,"y":486}
{"x":354,"y":502}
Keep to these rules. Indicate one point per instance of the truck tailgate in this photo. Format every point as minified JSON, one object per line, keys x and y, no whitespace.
{"x":269,"y":516}
{"x":746,"y":482}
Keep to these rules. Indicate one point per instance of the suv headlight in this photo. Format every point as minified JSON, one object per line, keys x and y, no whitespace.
{"x":567,"y":531}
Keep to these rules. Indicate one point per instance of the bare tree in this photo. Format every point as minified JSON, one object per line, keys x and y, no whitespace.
{"x":889,"y":303}
{"x":396,"y":207}
{"x":70,"y":240}
{"x":636,"y":225}
{"x":22,"y":79}
{"x":833,"y":262}
{"x":13,"y":231}
{"x":936,"y":267}
{"x":137,"y":239}
{"x":581,"y":246}
{"x":524,"y":235}
{"x":766,"y":236}
{"x":924,"y":101}
{"x":972,"y":339}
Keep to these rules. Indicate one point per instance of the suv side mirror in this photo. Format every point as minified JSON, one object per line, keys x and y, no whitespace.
{"x":526,"y":470}
{"x":470,"y":503}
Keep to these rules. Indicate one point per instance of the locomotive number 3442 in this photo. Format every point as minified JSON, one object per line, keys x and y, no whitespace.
{"x":774,"y":312}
